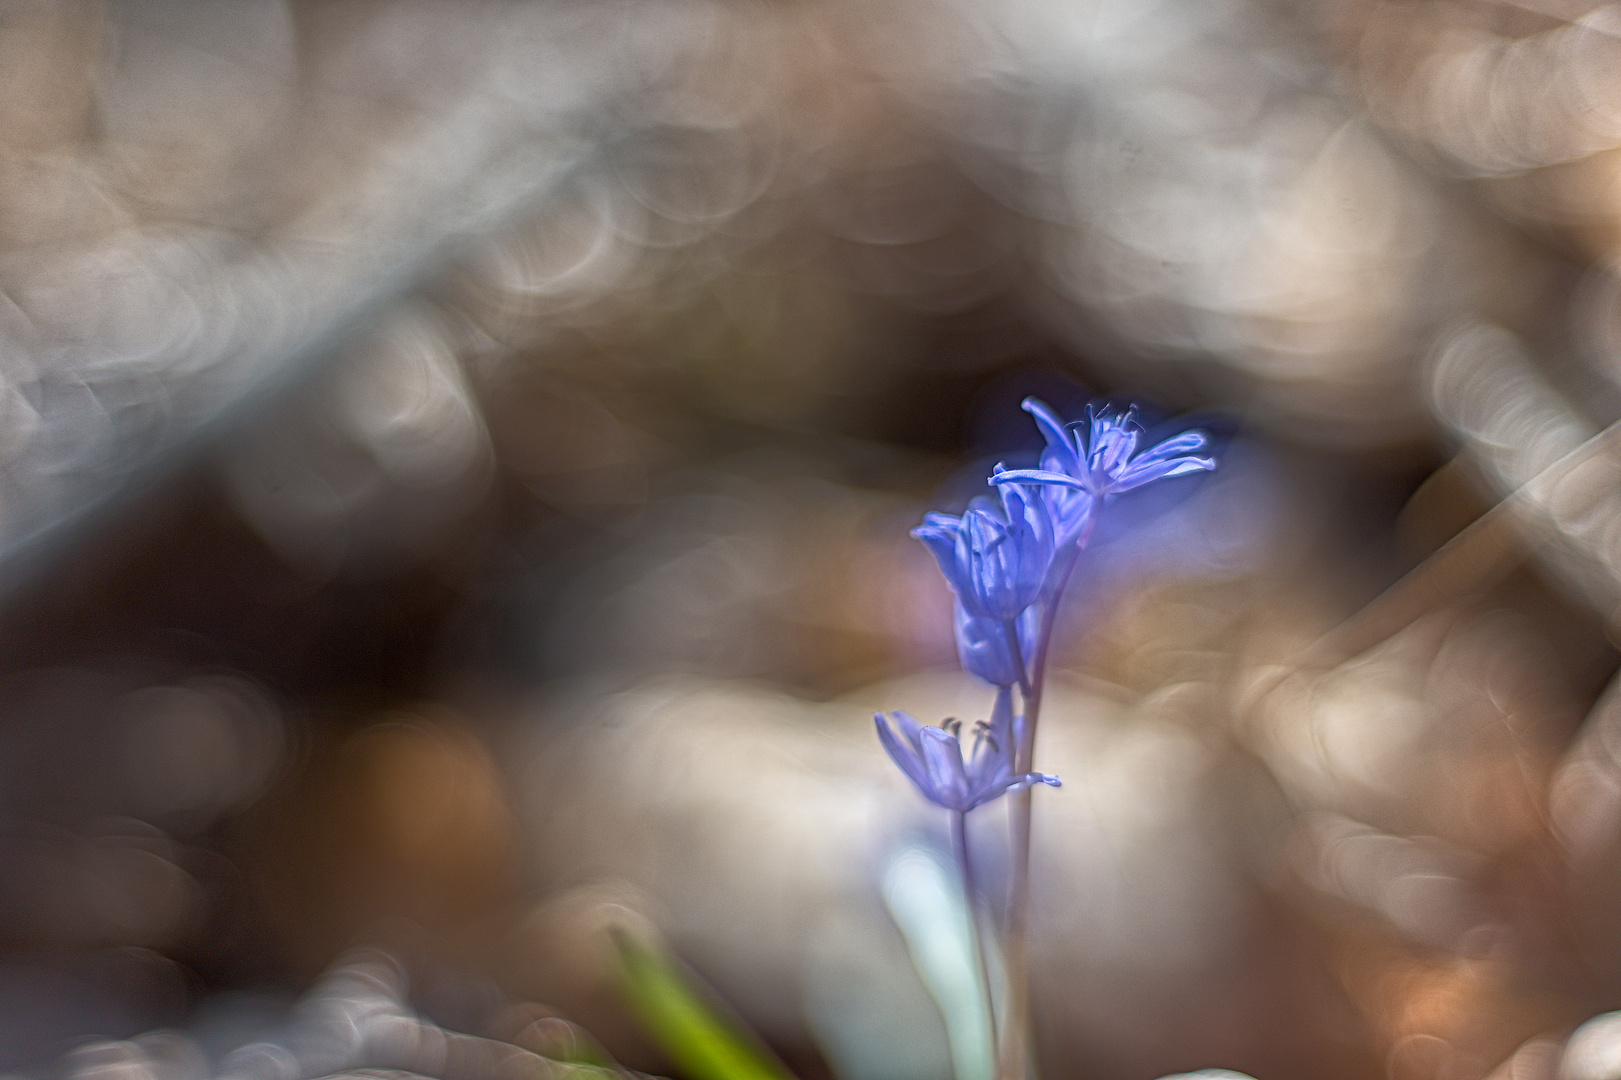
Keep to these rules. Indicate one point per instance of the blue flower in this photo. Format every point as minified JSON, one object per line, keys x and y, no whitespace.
{"x":995,"y":558}
{"x":983,"y":648}
{"x":932,"y":757}
{"x":1098,"y":458}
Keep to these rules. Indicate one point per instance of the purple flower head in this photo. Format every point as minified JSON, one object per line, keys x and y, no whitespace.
{"x":994,"y":557}
{"x":983,"y":647}
{"x":1098,"y":457}
{"x":932,"y":757}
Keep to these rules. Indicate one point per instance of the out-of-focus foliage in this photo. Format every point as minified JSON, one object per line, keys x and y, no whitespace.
{"x":701,"y":1044}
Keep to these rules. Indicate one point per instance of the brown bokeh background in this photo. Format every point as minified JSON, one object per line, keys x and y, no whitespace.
{"x":455,"y":467}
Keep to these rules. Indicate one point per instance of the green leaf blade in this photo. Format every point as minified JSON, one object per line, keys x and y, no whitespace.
{"x":702,"y":1045}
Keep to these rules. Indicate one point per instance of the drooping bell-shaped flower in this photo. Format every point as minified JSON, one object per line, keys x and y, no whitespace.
{"x":995,"y":557}
{"x":1098,"y":457}
{"x":933,"y":759}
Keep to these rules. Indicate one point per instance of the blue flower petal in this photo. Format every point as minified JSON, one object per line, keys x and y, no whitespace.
{"x":1029,"y":779}
{"x":1187,"y":443}
{"x":1137,"y":476}
{"x":942,"y":757}
{"x":908,"y":754}
{"x":939,"y":533}
{"x":992,"y":761}
{"x":1061,"y":449}
{"x":1036,"y":476}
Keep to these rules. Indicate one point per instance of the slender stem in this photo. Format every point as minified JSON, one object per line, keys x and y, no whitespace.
{"x":1012,"y":1046}
{"x":1013,"y":1051}
{"x":959,"y":844}
{"x":1010,"y":627}
{"x":1049,"y":618}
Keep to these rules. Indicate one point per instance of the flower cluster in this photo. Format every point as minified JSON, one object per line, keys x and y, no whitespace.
{"x":1007,"y":560}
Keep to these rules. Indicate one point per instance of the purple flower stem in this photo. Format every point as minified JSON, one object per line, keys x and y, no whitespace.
{"x":959,"y":844}
{"x":1013,"y":1045}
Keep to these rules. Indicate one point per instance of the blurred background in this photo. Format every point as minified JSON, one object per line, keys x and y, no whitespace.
{"x":456,"y":461}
